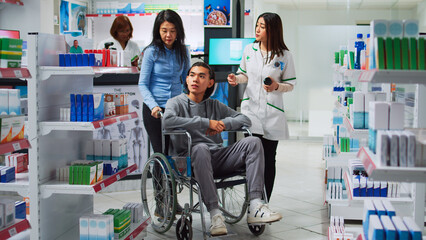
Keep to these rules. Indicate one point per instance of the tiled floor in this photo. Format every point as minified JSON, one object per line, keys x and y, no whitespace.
{"x":298,"y":195}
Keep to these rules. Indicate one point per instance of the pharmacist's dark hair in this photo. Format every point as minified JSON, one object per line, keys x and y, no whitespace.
{"x":179,"y":45}
{"x":119,"y":23}
{"x":274,"y":33}
{"x":212,"y":75}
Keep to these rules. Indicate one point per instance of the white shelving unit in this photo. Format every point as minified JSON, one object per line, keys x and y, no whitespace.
{"x":371,"y":164}
{"x":56,"y":207}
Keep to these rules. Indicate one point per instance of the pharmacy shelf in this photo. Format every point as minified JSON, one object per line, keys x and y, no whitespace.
{"x":47,"y":127}
{"x":15,"y":73}
{"x":385,"y":173}
{"x":393,"y":76}
{"x":116,"y":70}
{"x":19,"y":226}
{"x":340,"y":160}
{"x":16,"y":2}
{"x":355,"y":133}
{"x":119,"y":14}
{"x":14,"y":146}
{"x":137,"y":229}
{"x":19,"y":185}
{"x":61,"y":187}
{"x":48,"y":71}
{"x":349,"y":190}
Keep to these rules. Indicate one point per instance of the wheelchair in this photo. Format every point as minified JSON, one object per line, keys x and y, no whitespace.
{"x":164,"y":177}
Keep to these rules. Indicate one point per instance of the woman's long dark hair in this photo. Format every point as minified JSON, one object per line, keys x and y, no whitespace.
{"x":179,"y":45}
{"x":274,"y":34}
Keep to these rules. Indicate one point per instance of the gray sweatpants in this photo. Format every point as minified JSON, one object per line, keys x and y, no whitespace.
{"x":245,"y":154}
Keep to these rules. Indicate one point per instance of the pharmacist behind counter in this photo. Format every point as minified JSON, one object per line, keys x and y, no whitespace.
{"x":121,"y":32}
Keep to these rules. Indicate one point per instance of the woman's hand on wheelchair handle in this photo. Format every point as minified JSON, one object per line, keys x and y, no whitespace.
{"x":156,"y":112}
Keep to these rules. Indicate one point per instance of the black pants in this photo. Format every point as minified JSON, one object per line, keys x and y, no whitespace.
{"x":270,"y":150}
{"x":153,"y":128}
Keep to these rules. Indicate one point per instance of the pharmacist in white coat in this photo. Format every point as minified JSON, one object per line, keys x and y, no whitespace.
{"x":267,"y":57}
{"x":121,"y":32}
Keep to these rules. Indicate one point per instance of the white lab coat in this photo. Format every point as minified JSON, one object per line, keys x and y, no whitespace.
{"x":266,"y":109}
{"x":131,"y":50}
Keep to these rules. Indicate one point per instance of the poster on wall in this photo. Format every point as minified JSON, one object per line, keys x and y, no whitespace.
{"x":64,"y":16}
{"x":133,"y":130}
{"x":217,"y":13}
{"x":78,"y":18}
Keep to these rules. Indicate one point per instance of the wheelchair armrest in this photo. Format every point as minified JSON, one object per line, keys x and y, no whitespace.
{"x":244,"y":129}
{"x":175,"y":132}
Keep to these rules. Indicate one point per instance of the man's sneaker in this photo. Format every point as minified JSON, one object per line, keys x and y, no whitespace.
{"x":218,"y":225}
{"x":262,"y":214}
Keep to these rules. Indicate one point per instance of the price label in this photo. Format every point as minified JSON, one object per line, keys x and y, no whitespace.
{"x":16,"y":146}
{"x":118,"y":177}
{"x":12,"y":232}
{"x":102,"y":185}
{"x":131,"y":237}
{"x":1,"y":75}
{"x":18,"y":73}
{"x":128,"y":171}
{"x":101,"y":124}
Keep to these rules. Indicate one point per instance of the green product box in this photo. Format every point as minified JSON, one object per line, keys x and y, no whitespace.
{"x":10,"y":53}
{"x":348,"y":144}
{"x":389,"y":53}
{"x":353,"y":89}
{"x":75,"y":175}
{"x":336,"y":57}
{"x":342,"y":145}
{"x":107,"y":212}
{"x":422,"y":54}
{"x":351,"y":60}
{"x":413,"y":53}
{"x":397,"y":53}
{"x":350,"y":101}
{"x":380,"y":53}
{"x":71,"y":173}
{"x":342,"y":56}
{"x":85,"y":180}
{"x":404,"y":53}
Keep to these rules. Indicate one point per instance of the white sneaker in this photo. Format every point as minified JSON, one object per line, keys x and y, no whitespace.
{"x":218,"y":225}
{"x":262,"y":214}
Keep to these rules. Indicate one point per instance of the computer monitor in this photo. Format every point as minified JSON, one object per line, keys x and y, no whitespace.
{"x":9,"y":34}
{"x":227,"y":51}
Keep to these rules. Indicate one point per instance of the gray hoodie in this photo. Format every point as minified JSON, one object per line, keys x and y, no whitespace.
{"x":183,"y":113}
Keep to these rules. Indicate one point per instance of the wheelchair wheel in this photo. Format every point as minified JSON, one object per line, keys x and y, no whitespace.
{"x":158,"y":190}
{"x":257,"y":230}
{"x":233,"y":200}
{"x":183,"y":232}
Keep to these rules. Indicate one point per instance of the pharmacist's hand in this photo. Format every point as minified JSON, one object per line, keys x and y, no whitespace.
{"x":155,"y":112}
{"x":216,"y":126}
{"x":135,"y":62}
{"x":270,"y":88}
{"x":232,"y":80}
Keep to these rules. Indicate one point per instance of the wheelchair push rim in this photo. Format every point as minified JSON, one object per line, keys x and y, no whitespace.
{"x":233,"y":201}
{"x":158,"y":190}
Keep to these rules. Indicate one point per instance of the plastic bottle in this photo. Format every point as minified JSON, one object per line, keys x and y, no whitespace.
{"x":367,"y":52}
{"x":359,"y":45}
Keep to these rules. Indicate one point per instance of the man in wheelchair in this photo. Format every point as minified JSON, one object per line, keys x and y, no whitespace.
{"x":205,"y":119}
